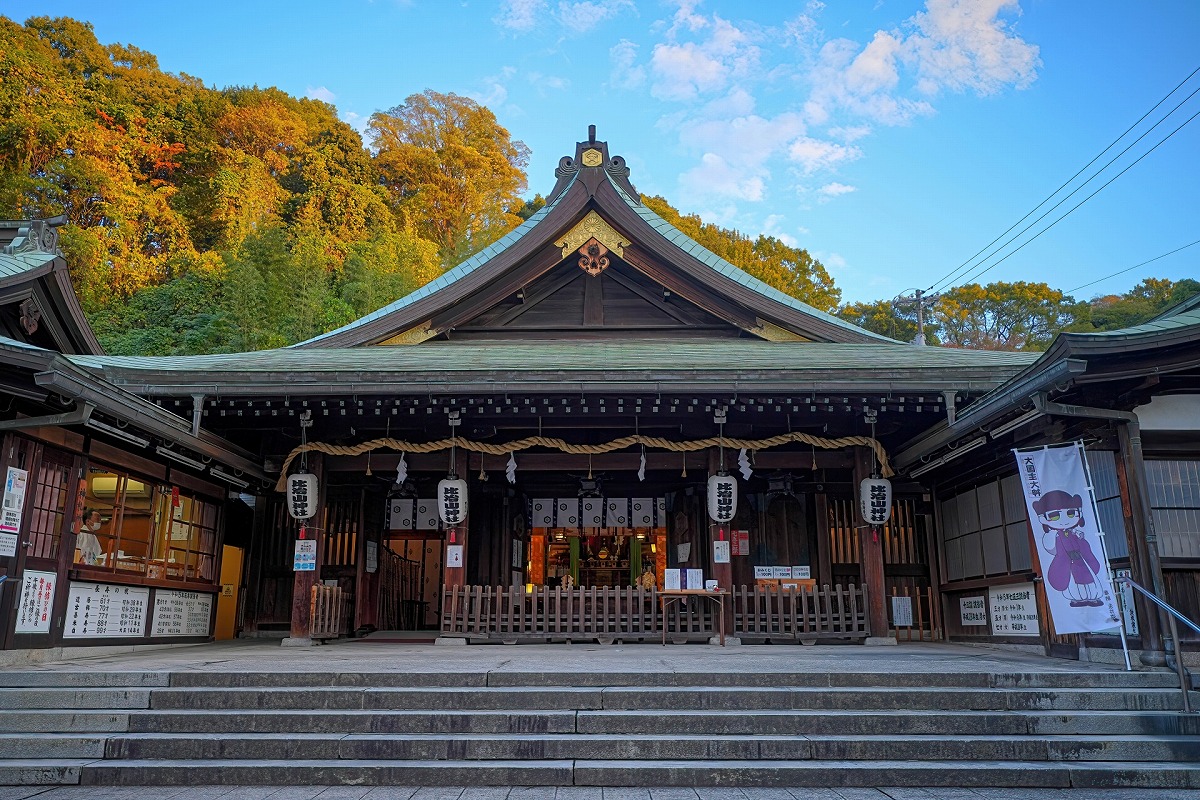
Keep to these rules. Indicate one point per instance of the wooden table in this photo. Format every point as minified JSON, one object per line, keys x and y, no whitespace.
{"x":666,"y":598}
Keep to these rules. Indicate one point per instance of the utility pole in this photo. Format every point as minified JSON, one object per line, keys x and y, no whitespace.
{"x":920,"y":299}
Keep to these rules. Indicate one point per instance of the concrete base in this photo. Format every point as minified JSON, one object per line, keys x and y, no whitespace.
{"x":880,"y":641}
{"x":296,"y":641}
{"x":450,"y":641}
{"x":730,"y":641}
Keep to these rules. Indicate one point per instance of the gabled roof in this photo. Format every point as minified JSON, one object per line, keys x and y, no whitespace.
{"x":592,"y":182}
{"x":35,"y":288}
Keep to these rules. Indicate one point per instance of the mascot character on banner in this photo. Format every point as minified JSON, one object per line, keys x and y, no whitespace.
{"x":1066,"y":530}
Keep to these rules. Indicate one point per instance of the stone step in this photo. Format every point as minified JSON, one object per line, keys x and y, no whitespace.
{"x":612,"y":747}
{"x":41,"y":772}
{"x":52,"y":745}
{"x":63,"y":679}
{"x":670,"y":722}
{"x":644,"y":773}
{"x":43,"y":721}
{"x":1161,"y":679}
{"x":694,"y":697}
{"x":75,"y":698}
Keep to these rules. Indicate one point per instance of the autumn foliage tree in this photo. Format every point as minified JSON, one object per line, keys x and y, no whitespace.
{"x":451,"y":170}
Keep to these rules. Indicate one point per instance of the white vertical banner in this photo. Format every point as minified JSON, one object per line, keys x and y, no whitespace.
{"x":1066,"y":531}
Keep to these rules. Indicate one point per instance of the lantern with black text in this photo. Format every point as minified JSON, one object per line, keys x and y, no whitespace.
{"x":722,"y":498}
{"x":452,"y":500}
{"x":875,"y":500}
{"x":302,"y":495}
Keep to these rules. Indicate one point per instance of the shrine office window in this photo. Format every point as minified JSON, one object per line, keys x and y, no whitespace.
{"x":51,"y":500}
{"x":1175,"y":503}
{"x":147,"y":529}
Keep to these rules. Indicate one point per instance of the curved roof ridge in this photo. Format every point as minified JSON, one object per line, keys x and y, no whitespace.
{"x":734,"y":272}
{"x":460,"y":270}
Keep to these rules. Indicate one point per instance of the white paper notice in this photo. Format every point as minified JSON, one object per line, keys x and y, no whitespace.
{"x":454,"y":555}
{"x":37,"y":602}
{"x":1014,"y":610}
{"x":181,"y":613}
{"x":973,"y":610}
{"x":695,"y":579}
{"x":105,"y":610}
{"x":671,"y":580}
{"x":720,"y":552}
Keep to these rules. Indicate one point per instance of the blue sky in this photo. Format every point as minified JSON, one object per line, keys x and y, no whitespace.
{"x":892,"y":139}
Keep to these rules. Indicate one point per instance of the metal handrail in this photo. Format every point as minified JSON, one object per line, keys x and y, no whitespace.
{"x":1172,"y":615}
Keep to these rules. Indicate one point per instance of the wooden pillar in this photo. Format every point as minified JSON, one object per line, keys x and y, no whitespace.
{"x":722,"y":571}
{"x":1145,"y":566}
{"x":871,"y":550}
{"x":456,"y":536}
{"x":303,"y":582}
{"x":824,"y":574}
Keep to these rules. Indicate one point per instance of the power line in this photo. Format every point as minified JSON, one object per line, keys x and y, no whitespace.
{"x":1135,"y":266}
{"x":1080,"y":203}
{"x":946,"y":279}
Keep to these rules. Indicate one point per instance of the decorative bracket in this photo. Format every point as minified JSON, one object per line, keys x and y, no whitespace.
{"x":593,"y":257}
{"x":592,"y":227}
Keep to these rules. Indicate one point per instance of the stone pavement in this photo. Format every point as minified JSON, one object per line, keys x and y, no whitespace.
{"x":265,"y":655}
{"x":567,"y":793}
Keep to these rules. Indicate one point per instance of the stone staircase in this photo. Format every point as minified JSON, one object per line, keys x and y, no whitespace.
{"x":1016,"y":729}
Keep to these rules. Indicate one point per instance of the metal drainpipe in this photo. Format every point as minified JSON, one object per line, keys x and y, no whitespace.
{"x":1136,"y":466}
{"x":197,"y":412}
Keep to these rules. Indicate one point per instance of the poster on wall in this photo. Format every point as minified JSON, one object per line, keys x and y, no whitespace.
{"x":372,"y":557}
{"x":741,"y":543}
{"x":181,"y":613}
{"x":902,"y":616}
{"x":973,"y":610}
{"x":1014,"y":610}
{"x":1066,"y":530}
{"x":11,"y":510}
{"x":306,"y":556}
{"x":105,"y":610}
{"x":720,"y":552}
{"x":37,"y":602}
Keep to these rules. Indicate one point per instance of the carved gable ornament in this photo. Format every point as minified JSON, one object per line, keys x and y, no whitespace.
{"x":593,"y":239}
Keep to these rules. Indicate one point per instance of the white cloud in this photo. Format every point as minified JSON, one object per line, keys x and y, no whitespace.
{"x":494,"y":92}
{"x":548,"y":82}
{"x":814,"y":155}
{"x":520,"y":15}
{"x":575,"y":16}
{"x":582,"y":16}
{"x":685,"y":70}
{"x":320,"y":93}
{"x":835,"y":189}
{"x":851,"y":133}
{"x":626,"y":72}
{"x":963,"y":44}
{"x":715,"y":176}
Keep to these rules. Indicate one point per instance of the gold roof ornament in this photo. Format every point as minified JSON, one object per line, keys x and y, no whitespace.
{"x":592,"y":226}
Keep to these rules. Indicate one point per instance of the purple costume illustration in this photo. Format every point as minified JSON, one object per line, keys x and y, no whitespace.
{"x":1074,"y":566}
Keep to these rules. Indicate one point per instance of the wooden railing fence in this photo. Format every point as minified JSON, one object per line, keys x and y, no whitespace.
{"x":327,"y":612}
{"x":513,"y":614}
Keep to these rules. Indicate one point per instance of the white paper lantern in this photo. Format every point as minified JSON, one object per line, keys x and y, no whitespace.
{"x":722,"y":498}
{"x":452,"y":500}
{"x":302,"y":495}
{"x":875,"y":500}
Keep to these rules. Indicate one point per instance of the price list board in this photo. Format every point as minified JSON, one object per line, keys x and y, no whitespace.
{"x":181,"y":613}
{"x":105,"y":610}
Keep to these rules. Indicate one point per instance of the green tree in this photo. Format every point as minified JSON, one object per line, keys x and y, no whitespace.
{"x":1004,"y":316}
{"x":454,"y":174}
{"x":883,"y":317}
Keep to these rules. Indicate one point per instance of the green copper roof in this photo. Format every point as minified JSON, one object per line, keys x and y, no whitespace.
{"x":20,"y":263}
{"x":485,"y":366}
